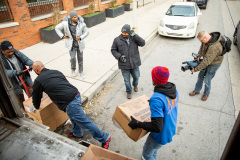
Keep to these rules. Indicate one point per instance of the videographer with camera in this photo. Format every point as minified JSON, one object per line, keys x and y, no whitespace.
{"x":211,"y":51}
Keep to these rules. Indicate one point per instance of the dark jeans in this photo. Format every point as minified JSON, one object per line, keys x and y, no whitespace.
{"x":126,"y":76}
{"x":80,"y":121}
{"x":206,"y":75}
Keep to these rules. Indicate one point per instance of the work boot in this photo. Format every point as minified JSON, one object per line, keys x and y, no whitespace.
{"x":135,"y":89}
{"x":129,"y":96}
{"x":204,"y":97}
{"x":193,"y":93}
{"x":73,"y":73}
{"x":82,"y":75}
{"x":106,"y":144}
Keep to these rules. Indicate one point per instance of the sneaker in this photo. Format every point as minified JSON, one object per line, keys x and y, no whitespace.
{"x":129,"y":96}
{"x":193,"y":93}
{"x":73,"y":136}
{"x":135,"y":89}
{"x":106,"y":144}
{"x":73,"y":73}
{"x":82,"y":75}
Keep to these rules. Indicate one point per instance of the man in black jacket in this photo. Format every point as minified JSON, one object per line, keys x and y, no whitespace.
{"x":68,"y":99}
{"x":125,"y":50}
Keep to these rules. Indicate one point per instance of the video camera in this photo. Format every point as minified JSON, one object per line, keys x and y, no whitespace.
{"x":191,"y":64}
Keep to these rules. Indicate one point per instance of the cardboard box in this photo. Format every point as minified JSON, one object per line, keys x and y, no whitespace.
{"x":140,"y":110}
{"x":97,"y":153}
{"x":48,"y":113}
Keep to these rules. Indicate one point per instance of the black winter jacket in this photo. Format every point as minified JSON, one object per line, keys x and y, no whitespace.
{"x":121,"y":47}
{"x":56,"y":86}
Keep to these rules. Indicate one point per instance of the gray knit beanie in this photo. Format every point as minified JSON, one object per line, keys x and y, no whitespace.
{"x":72,"y":14}
{"x":126,"y":28}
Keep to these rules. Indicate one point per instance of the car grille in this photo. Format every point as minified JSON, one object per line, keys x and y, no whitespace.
{"x":174,"y":27}
{"x":174,"y":34}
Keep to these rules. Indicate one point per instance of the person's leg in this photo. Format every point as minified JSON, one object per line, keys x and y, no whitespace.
{"x":75,"y":111}
{"x":21,"y":99}
{"x":80,"y":60}
{"x":126,"y":77}
{"x":210,"y":73}
{"x":76,"y":129}
{"x":135,"y":74}
{"x":150,"y":149}
{"x":73,"y":58}
{"x":199,"y":83}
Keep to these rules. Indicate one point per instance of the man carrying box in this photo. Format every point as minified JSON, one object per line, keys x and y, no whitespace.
{"x":164,"y":108}
{"x":68,"y":99}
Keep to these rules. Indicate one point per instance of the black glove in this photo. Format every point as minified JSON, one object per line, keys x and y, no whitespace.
{"x":133,"y":124}
{"x":19,"y":73}
{"x":30,"y":68}
{"x":123,"y":59}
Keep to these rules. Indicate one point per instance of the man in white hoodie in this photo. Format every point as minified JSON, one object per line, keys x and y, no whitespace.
{"x":75,"y":31}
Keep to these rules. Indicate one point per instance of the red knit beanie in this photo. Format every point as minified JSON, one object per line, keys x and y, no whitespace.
{"x":160,"y":75}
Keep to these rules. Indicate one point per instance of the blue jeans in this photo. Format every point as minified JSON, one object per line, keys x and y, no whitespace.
{"x":206,"y":75}
{"x":80,"y":121}
{"x":150,"y":149}
{"x":126,"y":76}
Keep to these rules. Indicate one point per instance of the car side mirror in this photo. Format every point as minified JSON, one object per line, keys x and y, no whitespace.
{"x":199,"y":13}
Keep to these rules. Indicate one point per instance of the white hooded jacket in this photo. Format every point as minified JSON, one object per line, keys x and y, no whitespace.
{"x":81,"y":31}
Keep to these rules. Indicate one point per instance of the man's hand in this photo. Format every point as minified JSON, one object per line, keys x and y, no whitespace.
{"x":19,"y":73}
{"x":123,"y":59}
{"x":65,"y":37}
{"x":192,"y":70}
{"x":30,"y":68}
{"x":133,"y":124}
{"x":78,"y":38}
{"x":32,"y":109}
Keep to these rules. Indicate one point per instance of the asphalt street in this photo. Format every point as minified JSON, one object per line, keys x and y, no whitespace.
{"x":203,"y":127}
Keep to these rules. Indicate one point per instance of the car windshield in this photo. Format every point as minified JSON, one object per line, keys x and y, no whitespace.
{"x":181,"y":10}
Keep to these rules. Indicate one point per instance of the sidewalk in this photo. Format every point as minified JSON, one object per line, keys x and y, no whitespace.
{"x":99,"y":66}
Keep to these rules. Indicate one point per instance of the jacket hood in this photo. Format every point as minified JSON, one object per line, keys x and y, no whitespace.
{"x":168,"y":89}
{"x":80,"y":19}
{"x":216,"y":37}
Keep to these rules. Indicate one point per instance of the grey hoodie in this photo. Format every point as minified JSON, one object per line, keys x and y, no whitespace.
{"x":81,"y":31}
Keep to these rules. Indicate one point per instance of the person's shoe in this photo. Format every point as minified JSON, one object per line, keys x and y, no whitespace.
{"x":106,"y":144}
{"x":135,"y":89}
{"x":129,"y":96}
{"x":204,"y":97}
{"x":82,"y":75}
{"x":73,"y":73}
{"x":193,"y":93}
{"x":73,"y":136}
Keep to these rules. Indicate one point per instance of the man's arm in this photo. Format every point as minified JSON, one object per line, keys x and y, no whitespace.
{"x":27,"y":61}
{"x":114,"y":50}
{"x":208,"y":58}
{"x":155,"y":125}
{"x":139,"y":40}
{"x":37,"y":94}
{"x":85,"y":32}
{"x":58,"y":29}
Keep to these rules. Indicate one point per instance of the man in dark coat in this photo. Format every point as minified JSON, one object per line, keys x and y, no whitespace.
{"x":68,"y":99}
{"x":125,"y":50}
{"x":15,"y":62}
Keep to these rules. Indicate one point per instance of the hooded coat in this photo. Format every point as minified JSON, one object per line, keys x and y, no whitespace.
{"x":81,"y":31}
{"x":211,"y":52}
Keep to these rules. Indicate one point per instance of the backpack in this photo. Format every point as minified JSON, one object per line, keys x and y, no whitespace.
{"x":226,"y":44}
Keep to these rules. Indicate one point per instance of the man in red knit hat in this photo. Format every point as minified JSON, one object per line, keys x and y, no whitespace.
{"x":164,"y":109}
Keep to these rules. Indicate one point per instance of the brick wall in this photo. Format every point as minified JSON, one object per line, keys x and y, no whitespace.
{"x":27,"y":32}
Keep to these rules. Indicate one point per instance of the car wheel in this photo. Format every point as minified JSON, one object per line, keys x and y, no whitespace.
{"x":235,"y":40}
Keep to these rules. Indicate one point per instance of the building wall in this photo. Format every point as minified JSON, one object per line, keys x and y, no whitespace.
{"x":27,"y":32}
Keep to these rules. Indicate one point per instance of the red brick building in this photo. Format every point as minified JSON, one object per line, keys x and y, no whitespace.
{"x":20,"y":20}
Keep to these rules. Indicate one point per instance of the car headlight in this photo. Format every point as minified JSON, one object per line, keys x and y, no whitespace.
{"x":161,"y":23}
{"x":191,"y":26}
